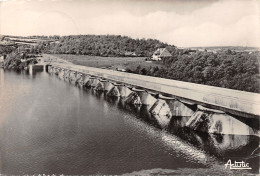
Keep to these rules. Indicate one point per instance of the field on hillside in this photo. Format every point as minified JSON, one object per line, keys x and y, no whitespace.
{"x":109,"y":62}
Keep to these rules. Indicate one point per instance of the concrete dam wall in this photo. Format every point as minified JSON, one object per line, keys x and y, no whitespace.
{"x":209,"y":109}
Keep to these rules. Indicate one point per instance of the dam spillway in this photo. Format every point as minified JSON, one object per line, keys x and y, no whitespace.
{"x":209,"y":109}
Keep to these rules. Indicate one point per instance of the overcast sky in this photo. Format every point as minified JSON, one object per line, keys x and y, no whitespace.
{"x":184,"y":23}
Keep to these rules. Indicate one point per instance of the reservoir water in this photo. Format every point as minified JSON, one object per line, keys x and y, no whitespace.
{"x":49,"y":126}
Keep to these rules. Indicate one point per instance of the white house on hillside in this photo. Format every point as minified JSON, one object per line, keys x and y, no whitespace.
{"x":161,"y":53}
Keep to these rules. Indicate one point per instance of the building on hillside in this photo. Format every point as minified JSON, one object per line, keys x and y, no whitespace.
{"x":161,"y":53}
{"x":192,"y":51}
{"x":127,"y":53}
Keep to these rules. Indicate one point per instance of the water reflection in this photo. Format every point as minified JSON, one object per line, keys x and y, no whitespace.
{"x":173,"y":144}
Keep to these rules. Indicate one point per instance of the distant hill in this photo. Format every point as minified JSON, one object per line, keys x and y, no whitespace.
{"x":233,"y":48}
{"x":105,"y":45}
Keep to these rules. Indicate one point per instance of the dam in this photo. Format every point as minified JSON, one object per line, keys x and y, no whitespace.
{"x":207,"y":108}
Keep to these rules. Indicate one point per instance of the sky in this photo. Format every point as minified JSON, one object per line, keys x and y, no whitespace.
{"x":184,"y":23}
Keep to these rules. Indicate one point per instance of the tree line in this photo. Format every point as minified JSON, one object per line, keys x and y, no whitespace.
{"x":227,"y":69}
{"x":4,"y":50}
{"x":104,"y":45}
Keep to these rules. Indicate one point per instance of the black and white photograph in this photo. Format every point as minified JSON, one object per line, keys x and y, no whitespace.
{"x":130,"y":87}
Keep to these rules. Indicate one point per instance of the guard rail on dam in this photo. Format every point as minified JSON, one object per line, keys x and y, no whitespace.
{"x":192,"y":99}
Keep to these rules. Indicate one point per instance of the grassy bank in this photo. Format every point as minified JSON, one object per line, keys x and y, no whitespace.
{"x":109,"y":62}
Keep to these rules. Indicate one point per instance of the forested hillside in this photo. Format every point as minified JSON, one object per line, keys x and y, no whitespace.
{"x":4,"y":50}
{"x":105,"y":45}
{"x":229,"y":69}
{"x":13,"y":58}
